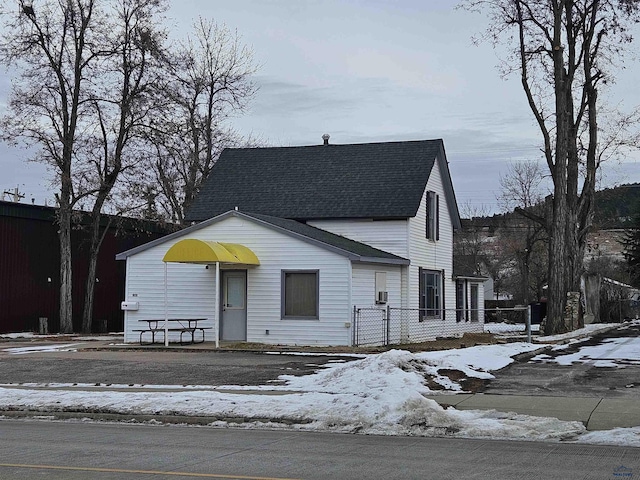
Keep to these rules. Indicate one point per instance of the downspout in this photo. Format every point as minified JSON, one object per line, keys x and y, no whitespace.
{"x":166,"y":313}
{"x":217,"y":306}
{"x":350,"y":335}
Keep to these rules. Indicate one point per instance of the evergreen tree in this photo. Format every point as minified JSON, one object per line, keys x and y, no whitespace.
{"x":632,"y":250}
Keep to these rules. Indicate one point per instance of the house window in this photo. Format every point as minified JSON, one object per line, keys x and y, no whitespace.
{"x":431,"y":294}
{"x":433,"y":216}
{"x":300,"y":294}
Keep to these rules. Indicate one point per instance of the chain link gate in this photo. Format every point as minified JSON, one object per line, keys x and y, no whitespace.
{"x":370,"y":326}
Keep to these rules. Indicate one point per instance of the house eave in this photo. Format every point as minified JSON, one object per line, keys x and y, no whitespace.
{"x":386,"y":261}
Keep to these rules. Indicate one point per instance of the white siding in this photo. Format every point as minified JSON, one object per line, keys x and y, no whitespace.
{"x":364,"y":285}
{"x":435,"y":255}
{"x":387,"y":235}
{"x":192,"y":287}
{"x":190,"y":291}
{"x":429,"y":254}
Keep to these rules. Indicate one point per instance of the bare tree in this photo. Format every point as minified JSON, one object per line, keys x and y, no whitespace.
{"x":564,"y":51}
{"x":210,"y":80}
{"x":523,"y":238}
{"x":120,"y":104}
{"x":80,"y":92}
{"x":54,"y":49}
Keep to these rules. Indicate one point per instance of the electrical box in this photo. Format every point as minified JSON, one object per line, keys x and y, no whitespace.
{"x":129,"y":306}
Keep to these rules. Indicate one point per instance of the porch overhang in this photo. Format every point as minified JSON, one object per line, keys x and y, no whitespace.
{"x":204,"y":252}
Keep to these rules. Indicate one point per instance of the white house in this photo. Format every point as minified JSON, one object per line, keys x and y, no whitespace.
{"x":288,"y":243}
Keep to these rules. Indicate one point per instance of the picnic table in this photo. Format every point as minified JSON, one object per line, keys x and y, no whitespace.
{"x":182,"y":325}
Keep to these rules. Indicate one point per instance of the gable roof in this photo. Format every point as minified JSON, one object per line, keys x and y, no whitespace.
{"x":355,"y":251}
{"x":369,"y":180}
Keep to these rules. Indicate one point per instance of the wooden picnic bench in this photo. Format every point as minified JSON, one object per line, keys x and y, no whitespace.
{"x":182,"y":325}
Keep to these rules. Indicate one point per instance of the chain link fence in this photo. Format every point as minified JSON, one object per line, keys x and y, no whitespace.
{"x":376,"y":326}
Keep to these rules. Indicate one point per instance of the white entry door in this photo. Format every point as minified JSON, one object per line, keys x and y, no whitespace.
{"x":234,"y":305}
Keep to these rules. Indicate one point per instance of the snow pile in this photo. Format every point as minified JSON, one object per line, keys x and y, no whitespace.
{"x":509,"y":328}
{"x":586,"y":331}
{"x":615,"y":436}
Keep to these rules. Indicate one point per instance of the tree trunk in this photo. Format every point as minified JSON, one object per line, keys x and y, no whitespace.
{"x":87,"y":311}
{"x":94,"y":249}
{"x":66,"y":298}
{"x":557,"y":291}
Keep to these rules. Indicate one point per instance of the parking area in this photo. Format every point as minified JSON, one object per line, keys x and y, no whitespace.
{"x":98,"y":363}
{"x":152,"y":367}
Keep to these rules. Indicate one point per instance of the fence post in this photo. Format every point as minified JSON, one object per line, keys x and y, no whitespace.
{"x":529,"y":323}
{"x":353,"y":341}
{"x":388,"y":325}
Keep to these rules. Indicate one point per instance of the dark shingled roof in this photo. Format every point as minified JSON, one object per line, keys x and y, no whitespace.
{"x":370,"y":180}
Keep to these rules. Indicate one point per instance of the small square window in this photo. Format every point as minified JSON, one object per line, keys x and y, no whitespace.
{"x":300,"y":294}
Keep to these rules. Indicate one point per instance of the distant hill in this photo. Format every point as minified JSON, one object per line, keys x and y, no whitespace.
{"x":615,"y":208}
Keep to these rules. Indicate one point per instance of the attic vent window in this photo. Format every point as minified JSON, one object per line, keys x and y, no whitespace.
{"x":325,"y":138}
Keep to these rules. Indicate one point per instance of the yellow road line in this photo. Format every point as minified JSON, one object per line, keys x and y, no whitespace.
{"x":147,"y":472}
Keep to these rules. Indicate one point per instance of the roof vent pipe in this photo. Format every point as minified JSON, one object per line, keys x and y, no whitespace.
{"x":326,"y":137}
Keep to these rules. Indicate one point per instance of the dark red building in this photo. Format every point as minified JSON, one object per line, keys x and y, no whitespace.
{"x":30,"y":267}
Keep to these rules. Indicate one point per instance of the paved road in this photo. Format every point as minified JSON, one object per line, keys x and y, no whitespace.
{"x":152,"y":367}
{"x":525,"y":377}
{"x":69,"y":451}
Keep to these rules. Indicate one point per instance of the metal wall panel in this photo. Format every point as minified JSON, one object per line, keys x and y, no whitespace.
{"x":30,"y":269}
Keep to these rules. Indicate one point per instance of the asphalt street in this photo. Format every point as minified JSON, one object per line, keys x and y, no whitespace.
{"x":63,"y":450}
{"x":526,"y":377}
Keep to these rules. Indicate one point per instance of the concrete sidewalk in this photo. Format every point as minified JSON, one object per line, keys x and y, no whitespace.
{"x":595,"y":413}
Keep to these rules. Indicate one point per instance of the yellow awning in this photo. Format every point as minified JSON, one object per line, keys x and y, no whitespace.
{"x":191,"y":250}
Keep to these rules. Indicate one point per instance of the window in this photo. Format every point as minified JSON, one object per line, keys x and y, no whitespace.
{"x":433,"y":216}
{"x":431,"y":294}
{"x":300,"y":294}
{"x":474,"y":302}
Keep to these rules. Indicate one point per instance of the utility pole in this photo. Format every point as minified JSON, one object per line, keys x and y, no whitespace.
{"x":15,"y":194}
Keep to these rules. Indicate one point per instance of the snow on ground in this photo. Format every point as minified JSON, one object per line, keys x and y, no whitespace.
{"x":627,"y":352}
{"x":69,"y":347}
{"x":74,"y":336}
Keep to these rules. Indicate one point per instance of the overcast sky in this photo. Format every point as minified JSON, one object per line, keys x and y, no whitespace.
{"x":370,"y":71}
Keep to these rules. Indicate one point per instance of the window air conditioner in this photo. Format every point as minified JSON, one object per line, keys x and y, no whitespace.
{"x":382,"y":297}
